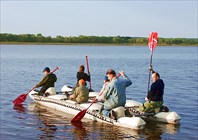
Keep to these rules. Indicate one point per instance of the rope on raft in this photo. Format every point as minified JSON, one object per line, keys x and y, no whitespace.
{"x":74,"y":107}
{"x":134,"y":112}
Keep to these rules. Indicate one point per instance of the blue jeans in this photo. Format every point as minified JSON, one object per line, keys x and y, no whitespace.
{"x":106,"y":112}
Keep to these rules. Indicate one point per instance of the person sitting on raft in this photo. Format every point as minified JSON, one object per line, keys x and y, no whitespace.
{"x":105,"y":82}
{"x":82,"y":75}
{"x":114,"y":92}
{"x":154,"y":98}
{"x":81,"y":93}
{"x":48,"y":81}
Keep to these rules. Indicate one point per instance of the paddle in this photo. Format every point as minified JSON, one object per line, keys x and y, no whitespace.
{"x":21,"y":98}
{"x":87,"y":64}
{"x":152,"y":43}
{"x":82,"y":113}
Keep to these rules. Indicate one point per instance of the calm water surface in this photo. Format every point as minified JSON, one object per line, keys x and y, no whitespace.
{"x":21,"y":69}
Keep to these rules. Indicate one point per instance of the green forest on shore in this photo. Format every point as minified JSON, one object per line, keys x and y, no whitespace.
{"x":7,"y":38}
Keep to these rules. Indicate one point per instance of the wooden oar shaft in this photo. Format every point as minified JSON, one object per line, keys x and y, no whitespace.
{"x":55,"y":69}
{"x":87,"y":64}
{"x":31,"y":90}
{"x":149,"y":79}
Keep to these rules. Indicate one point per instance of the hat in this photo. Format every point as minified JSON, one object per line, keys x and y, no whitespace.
{"x":106,"y":78}
{"x":81,"y":82}
{"x":111,"y":71}
{"x":46,"y":69}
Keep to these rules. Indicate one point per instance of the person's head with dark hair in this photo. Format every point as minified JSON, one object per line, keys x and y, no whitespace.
{"x":111,"y":74}
{"x":81,"y":68}
{"x":155,"y":76}
{"x":111,"y":71}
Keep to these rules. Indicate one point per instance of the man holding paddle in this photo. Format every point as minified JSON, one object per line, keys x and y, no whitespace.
{"x":48,"y":81}
{"x":154,"y":98}
{"x":20,"y":99}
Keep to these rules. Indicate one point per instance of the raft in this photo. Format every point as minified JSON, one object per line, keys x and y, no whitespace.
{"x":61,"y":103}
{"x":132,"y":107}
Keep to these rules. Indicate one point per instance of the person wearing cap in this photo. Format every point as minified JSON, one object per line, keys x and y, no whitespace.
{"x":48,"y":81}
{"x":105,"y":82}
{"x":81,"y":93}
{"x":82,"y":75}
{"x":114,"y":92}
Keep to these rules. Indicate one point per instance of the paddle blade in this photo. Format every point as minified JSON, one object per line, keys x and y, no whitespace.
{"x":152,"y":42}
{"x":19,"y":100}
{"x":79,"y":116}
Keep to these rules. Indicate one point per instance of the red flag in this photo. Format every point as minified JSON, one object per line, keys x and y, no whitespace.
{"x":152,"y":42}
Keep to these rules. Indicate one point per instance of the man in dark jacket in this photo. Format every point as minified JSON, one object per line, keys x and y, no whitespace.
{"x":154,"y":98}
{"x":82,"y":75}
{"x":48,"y":81}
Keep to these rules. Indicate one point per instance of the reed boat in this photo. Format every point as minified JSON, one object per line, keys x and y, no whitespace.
{"x":61,"y":103}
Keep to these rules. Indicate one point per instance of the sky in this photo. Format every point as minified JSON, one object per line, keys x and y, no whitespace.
{"x":135,"y":18}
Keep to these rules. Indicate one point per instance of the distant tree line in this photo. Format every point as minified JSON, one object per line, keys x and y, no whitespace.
{"x":39,"y":38}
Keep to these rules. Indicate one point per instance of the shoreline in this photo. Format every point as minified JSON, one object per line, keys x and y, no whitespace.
{"x":82,"y":40}
{"x":91,"y":44}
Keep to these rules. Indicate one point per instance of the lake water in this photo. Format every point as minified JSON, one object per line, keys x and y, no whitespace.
{"x":21,"y":69}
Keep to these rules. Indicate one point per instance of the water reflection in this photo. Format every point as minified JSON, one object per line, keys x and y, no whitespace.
{"x":79,"y":130}
{"x":19,"y":108}
{"x":155,"y":130}
{"x":123,"y":133}
{"x":52,"y":124}
{"x":45,"y":123}
{"x":47,"y":127}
